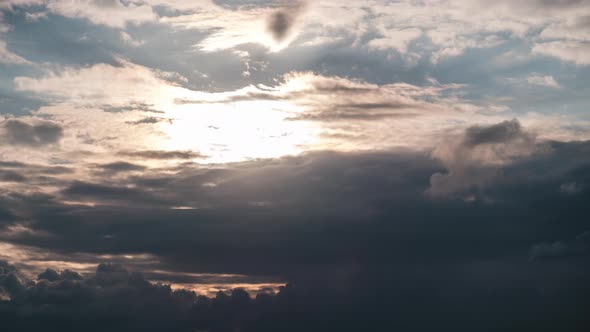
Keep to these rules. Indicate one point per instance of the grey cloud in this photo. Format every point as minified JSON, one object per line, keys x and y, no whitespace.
{"x":374,"y":201}
{"x":11,"y":176}
{"x":162,"y":155}
{"x":499,"y":133}
{"x":149,"y":120}
{"x":352,"y":233}
{"x":560,"y":249}
{"x":53,"y":275}
{"x":107,"y":3}
{"x":475,"y":158}
{"x":21,"y":133}
{"x":110,"y":194}
{"x":115,"y":299}
{"x":570,"y":188}
{"x":121,"y":166}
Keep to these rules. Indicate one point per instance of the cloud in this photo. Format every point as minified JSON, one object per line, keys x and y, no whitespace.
{"x":124,"y":85}
{"x":395,"y":39}
{"x":473,"y":159}
{"x":121,"y":166}
{"x":575,"y":52}
{"x":17,"y":132}
{"x":148,"y":120}
{"x":112,"y":13}
{"x":570,"y":188}
{"x":577,"y":247}
{"x":162,"y":155}
{"x":337,"y":196}
{"x":11,"y":176}
{"x":6,"y":56}
{"x":53,"y":275}
{"x":281,"y":22}
{"x":292,"y":112}
{"x":546,"y":80}
{"x":500,"y":133}
{"x":347,"y":231}
{"x":115,"y":299}
{"x":96,"y":193}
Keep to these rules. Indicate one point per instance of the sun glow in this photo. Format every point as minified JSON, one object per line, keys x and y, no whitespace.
{"x":227,"y":132}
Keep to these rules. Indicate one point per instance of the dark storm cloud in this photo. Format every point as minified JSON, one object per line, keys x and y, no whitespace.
{"x":320,"y":209}
{"x":17,"y":132}
{"x":280,"y":23}
{"x":354,"y":234}
{"x":115,"y":299}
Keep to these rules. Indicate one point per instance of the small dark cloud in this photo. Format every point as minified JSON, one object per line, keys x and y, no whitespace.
{"x":161,"y":154}
{"x":108,"y":194}
{"x":17,"y":132}
{"x":149,"y":120}
{"x":498,"y":133}
{"x":11,"y":176}
{"x":570,"y":188}
{"x":6,"y":216}
{"x":12,"y":164}
{"x":133,"y":107}
{"x":121,"y":166}
{"x":281,"y":22}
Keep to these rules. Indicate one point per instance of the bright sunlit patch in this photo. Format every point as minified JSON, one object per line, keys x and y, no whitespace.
{"x":228,"y":132}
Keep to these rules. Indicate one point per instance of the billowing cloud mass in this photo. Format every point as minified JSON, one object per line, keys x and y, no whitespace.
{"x":262,"y":165}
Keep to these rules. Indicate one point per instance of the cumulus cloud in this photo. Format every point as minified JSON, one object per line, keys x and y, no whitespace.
{"x":17,"y":132}
{"x":473,"y":159}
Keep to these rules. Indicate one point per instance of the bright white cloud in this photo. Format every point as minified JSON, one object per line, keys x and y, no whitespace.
{"x":571,"y":51}
{"x":106,"y":12}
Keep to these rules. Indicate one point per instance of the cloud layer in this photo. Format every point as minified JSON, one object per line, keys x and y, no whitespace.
{"x":294,"y":166}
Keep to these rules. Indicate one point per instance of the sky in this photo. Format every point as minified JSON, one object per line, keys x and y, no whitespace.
{"x":257,"y":165}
